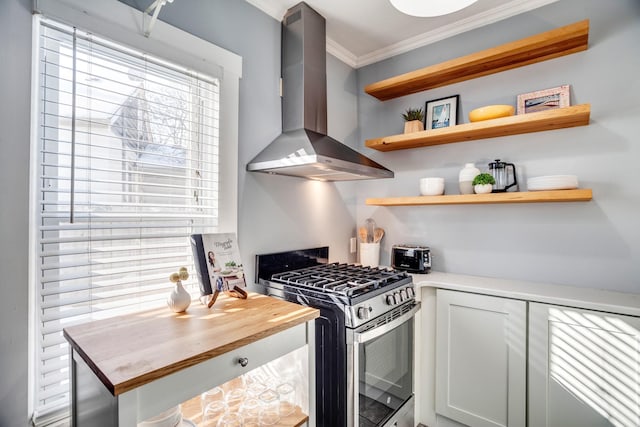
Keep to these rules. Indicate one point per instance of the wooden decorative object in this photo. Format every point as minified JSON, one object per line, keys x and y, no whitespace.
{"x":413,"y":126}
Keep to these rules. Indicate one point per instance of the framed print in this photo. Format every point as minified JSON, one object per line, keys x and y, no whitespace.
{"x":441,"y":113}
{"x":541,"y":100}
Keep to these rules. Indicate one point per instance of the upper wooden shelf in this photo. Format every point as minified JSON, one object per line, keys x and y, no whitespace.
{"x":577,"y":115}
{"x":579,"y":195}
{"x":548,"y":45}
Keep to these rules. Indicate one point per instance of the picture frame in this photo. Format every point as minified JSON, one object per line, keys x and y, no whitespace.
{"x":441,"y":113}
{"x":542,"y":100}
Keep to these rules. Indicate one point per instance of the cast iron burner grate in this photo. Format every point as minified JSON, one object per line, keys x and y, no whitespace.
{"x":343,"y":279}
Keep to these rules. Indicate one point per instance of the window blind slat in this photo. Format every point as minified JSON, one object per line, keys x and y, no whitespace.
{"x":59,"y":289}
{"x":99,"y":271}
{"x":93,"y":261}
{"x":128,"y":148}
{"x":82,"y":297}
{"x":97,"y":251}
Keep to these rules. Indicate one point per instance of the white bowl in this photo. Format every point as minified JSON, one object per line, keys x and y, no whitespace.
{"x":432,"y":186}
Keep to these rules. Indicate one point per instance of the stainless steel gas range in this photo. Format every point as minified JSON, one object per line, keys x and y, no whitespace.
{"x":364,"y":335}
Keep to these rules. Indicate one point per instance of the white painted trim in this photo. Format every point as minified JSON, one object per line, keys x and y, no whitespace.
{"x":33,"y":349}
{"x":341,"y":53}
{"x":121,"y":23}
{"x":485,"y":18}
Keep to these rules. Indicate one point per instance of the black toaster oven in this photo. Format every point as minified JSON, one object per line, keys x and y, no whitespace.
{"x":411,"y":258}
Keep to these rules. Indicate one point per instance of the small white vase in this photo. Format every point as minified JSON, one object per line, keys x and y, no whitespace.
{"x":179,"y":299}
{"x":465,"y":178}
{"x":482,"y":188}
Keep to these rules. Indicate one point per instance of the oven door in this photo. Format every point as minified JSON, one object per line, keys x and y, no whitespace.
{"x":381,"y":356}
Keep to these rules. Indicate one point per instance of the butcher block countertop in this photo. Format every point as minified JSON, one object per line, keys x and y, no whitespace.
{"x":128,"y":351}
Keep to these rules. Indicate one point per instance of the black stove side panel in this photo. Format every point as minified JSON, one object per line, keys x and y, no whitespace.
{"x":269,"y":264}
{"x":331,"y":354}
{"x":331,"y":369}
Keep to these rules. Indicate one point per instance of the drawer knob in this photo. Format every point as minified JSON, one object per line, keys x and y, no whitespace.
{"x":243,"y":361}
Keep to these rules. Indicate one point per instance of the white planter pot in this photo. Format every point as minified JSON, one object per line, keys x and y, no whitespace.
{"x":482,"y":188}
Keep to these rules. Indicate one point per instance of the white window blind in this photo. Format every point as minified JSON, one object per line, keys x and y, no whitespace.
{"x":127,"y":169}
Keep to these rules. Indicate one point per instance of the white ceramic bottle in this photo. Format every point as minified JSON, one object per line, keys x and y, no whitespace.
{"x":465,"y":178}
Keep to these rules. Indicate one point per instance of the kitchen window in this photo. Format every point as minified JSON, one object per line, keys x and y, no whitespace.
{"x":127,"y":163}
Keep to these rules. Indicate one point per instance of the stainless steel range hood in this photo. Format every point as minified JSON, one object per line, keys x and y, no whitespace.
{"x":304,"y":149}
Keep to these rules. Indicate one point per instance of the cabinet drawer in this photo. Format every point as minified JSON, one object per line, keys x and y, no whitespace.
{"x":157,"y":396}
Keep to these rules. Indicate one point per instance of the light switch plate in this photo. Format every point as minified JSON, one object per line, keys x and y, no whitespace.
{"x":353,"y":245}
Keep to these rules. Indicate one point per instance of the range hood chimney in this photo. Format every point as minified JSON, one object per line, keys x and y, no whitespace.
{"x":304,"y":149}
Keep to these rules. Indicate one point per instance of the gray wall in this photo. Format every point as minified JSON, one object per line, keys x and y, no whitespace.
{"x":15,"y":57}
{"x":594,"y":244}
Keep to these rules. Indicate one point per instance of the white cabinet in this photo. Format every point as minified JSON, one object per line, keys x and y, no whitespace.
{"x":508,"y":362}
{"x":481,"y":359}
{"x":583,"y":368}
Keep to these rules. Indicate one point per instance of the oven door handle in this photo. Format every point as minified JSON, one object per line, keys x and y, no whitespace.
{"x":362,"y":337}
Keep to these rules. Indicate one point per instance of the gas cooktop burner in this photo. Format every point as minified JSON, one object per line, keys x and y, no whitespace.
{"x":343,"y":279}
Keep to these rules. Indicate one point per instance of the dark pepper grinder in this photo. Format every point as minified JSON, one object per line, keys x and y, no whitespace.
{"x":500,"y":172}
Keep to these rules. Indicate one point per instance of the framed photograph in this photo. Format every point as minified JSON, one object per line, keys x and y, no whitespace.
{"x":541,"y":100}
{"x":441,"y":113}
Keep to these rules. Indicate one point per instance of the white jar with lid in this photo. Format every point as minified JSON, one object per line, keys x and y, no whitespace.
{"x":465,"y":178}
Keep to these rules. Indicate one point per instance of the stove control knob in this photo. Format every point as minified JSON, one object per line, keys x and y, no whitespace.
{"x":390,"y":299}
{"x":364,"y":312}
{"x":403,"y":294}
{"x":396,"y":297}
{"x":411,"y":293}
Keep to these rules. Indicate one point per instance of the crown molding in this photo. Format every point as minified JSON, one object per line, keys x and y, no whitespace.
{"x":340,"y":52}
{"x":507,"y":10}
{"x":491,"y":16}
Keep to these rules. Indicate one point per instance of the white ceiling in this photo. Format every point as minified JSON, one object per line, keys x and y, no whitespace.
{"x":361,"y":32}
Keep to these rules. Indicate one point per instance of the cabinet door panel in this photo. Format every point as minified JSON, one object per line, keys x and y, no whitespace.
{"x":480,"y":359}
{"x":584,"y":368}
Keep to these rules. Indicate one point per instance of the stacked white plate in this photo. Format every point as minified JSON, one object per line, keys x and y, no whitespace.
{"x":552,"y":182}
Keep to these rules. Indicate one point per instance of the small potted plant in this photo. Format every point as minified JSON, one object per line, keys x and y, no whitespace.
{"x":413,"y":120}
{"x":483,"y":183}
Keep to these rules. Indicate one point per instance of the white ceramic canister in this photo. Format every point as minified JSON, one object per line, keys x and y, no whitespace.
{"x":465,"y":178}
{"x":370,"y":254}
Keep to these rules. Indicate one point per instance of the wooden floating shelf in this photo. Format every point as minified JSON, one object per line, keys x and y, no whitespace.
{"x":579,"y":195}
{"x":541,"y":47}
{"x":577,"y":115}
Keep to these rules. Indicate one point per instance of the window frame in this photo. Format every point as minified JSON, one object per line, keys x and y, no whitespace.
{"x":122,"y":24}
